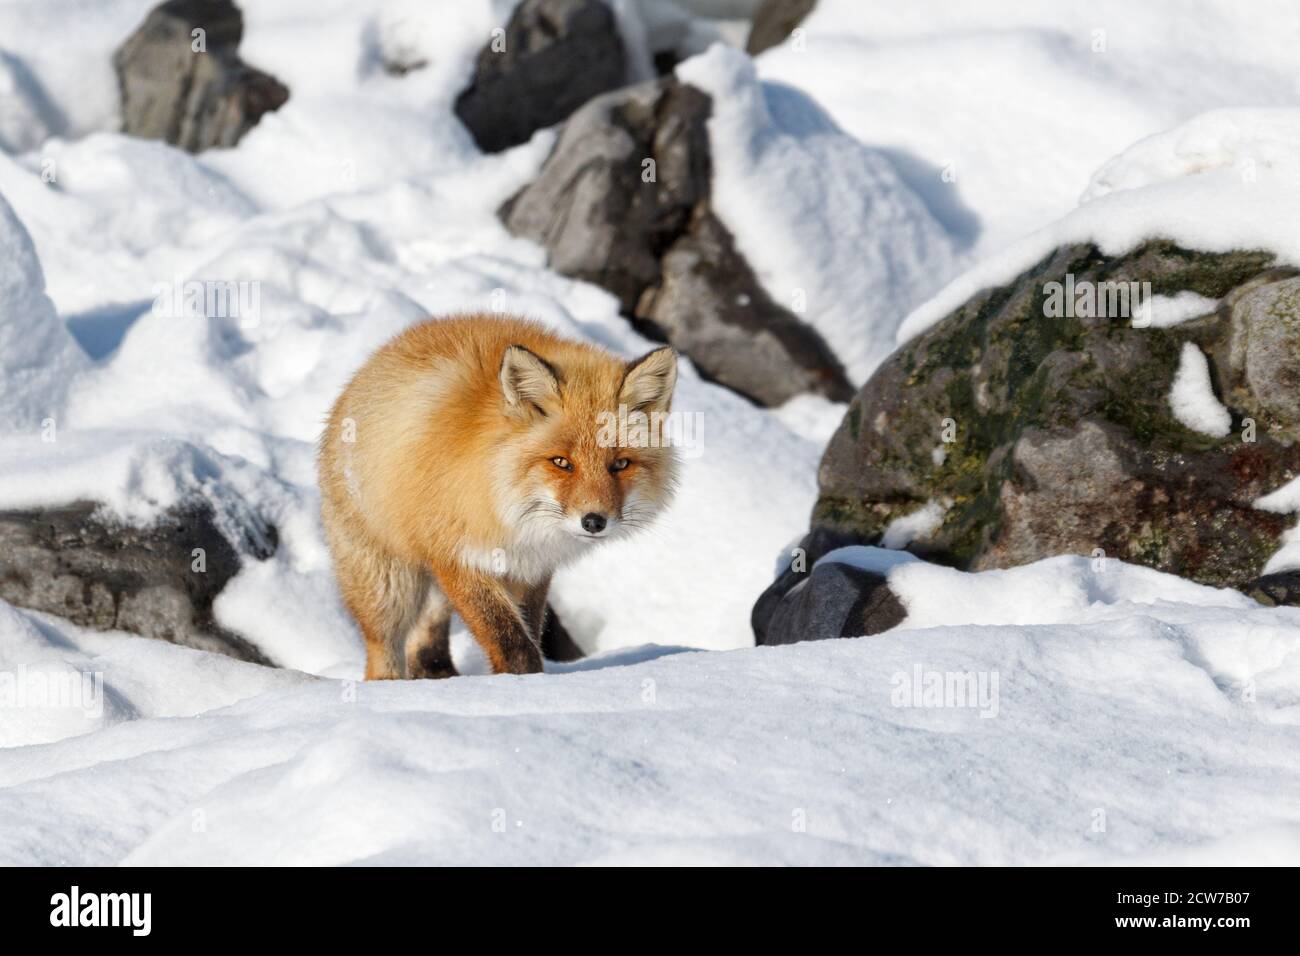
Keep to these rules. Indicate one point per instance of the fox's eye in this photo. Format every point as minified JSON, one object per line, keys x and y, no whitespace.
{"x":559,"y":461}
{"x":619,"y":464}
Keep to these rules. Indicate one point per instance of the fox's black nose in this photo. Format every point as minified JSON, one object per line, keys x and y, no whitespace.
{"x":593,"y":523}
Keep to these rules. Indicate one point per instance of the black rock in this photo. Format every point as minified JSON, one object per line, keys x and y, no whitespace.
{"x":831,"y":600}
{"x":558,"y":54}
{"x":1281,"y":588}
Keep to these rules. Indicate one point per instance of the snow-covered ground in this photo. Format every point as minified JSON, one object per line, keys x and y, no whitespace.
{"x":999,"y":112}
{"x":1095,"y":715}
{"x":1136,"y":717}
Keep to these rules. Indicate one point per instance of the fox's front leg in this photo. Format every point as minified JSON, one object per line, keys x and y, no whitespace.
{"x":489,"y":611}
{"x":533,"y":607}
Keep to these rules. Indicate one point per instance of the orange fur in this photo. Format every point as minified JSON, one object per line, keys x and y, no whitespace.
{"x":438,"y":486}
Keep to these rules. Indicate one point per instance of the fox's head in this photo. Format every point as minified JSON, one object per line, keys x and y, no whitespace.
{"x":590,"y":458}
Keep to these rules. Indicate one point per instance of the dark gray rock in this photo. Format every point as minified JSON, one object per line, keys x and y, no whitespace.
{"x":73,"y":563}
{"x":831,"y":600}
{"x":1282,"y":588}
{"x":836,"y":600}
{"x":1064,"y":438}
{"x":711,"y":306}
{"x":623,"y":202}
{"x":775,"y":20}
{"x":558,"y":55}
{"x":196,"y":100}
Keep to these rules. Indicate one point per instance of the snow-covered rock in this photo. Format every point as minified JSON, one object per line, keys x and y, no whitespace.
{"x":832,"y":230}
{"x":1051,"y":415}
{"x":27,"y":118}
{"x":1225,"y":181}
{"x":624,"y":200}
{"x":38,"y":358}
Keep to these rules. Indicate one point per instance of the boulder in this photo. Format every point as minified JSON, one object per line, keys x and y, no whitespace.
{"x":75,"y":563}
{"x":555,"y":56}
{"x":181,"y":78}
{"x":815,"y":602}
{"x":775,"y":20}
{"x":623,"y":202}
{"x":1022,"y":434}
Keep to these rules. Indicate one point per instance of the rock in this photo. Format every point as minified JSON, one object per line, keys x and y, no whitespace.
{"x":653,"y":242}
{"x":807,"y":603}
{"x":710,"y":305}
{"x":836,"y":600}
{"x":196,"y":99}
{"x":775,"y":20}
{"x":1266,"y":343}
{"x":73,"y":563}
{"x":1040,"y":435}
{"x":1282,"y":588}
{"x":558,"y":54}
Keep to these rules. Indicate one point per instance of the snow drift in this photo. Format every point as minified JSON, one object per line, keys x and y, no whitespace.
{"x":1125,"y":716}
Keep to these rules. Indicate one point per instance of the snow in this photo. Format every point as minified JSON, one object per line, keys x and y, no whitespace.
{"x":828,"y":225}
{"x":1284,"y":500}
{"x":998,"y":113}
{"x":874,"y":560}
{"x":1164,"y":712}
{"x":359,"y":207}
{"x":27,"y":118}
{"x":861,"y":169}
{"x":1192,"y":398}
{"x":1166,"y":311}
{"x":920,"y":524}
{"x":812,"y":416}
{"x":37,"y":355}
{"x":1190,"y":184}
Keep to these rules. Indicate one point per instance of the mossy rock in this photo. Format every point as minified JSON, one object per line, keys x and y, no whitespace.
{"x":1042,"y":433}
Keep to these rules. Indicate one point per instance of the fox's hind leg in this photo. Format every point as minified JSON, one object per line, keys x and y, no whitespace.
{"x":386,"y":596}
{"x":428,"y":644}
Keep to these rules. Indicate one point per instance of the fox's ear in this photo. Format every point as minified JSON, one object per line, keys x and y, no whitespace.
{"x":528,"y":382}
{"x":649,"y":382}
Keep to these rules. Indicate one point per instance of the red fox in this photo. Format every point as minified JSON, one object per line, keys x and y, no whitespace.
{"x":465,"y":462}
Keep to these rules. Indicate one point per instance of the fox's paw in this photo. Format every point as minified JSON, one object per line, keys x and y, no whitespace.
{"x":431,"y":664}
{"x":523,"y":660}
